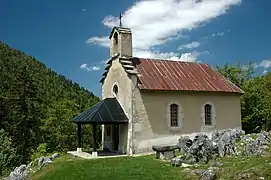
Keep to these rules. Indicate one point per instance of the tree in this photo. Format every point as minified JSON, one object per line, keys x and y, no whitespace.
{"x":7,"y":153}
{"x":24,"y":114}
{"x":238,"y":74}
{"x":59,"y":132}
{"x":255,"y":103}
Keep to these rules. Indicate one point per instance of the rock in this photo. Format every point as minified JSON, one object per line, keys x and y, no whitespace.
{"x":263,"y":138}
{"x":55,"y":155}
{"x":210,"y":174}
{"x":244,"y":176}
{"x":226,"y":145}
{"x":202,"y":148}
{"x":197,"y":172}
{"x":176,"y":161}
{"x":20,"y":173}
{"x":44,"y":161}
{"x":185,"y":143}
{"x":259,"y":146}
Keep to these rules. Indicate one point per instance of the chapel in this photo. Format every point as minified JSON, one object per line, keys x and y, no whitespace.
{"x":149,"y":102}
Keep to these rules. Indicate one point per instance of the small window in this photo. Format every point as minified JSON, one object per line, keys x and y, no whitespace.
{"x":208,"y":114}
{"x":174,"y":115}
{"x":115,"y":90}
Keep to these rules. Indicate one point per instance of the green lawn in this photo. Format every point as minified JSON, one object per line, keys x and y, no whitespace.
{"x":145,"y":168}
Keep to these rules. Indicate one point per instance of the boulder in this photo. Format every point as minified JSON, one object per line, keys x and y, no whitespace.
{"x":20,"y":173}
{"x":43,"y":161}
{"x":55,"y":155}
{"x":209,"y":174}
{"x":202,"y":148}
{"x":185,"y":143}
{"x":176,"y":161}
{"x":259,"y":146}
{"x":226,"y":144}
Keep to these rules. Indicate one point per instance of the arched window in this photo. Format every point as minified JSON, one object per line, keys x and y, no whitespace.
{"x":208,"y":115}
{"x":115,"y":38}
{"x":174,"y":115}
{"x":115,"y":90}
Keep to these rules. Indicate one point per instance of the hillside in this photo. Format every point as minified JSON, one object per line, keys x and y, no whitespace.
{"x":36,"y":105}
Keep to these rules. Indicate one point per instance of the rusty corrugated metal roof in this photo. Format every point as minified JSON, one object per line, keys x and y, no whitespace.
{"x":185,"y":76}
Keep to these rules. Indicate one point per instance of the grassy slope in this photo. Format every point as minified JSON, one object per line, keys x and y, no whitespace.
{"x":146,"y":168}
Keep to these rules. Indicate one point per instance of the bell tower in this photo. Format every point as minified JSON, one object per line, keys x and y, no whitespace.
{"x":121,"y":42}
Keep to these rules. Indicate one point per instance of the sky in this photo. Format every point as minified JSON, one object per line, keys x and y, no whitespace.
{"x":71,"y":37}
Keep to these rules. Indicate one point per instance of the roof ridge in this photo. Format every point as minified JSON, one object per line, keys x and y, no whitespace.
{"x":154,"y":59}
{"x":101,"y":102}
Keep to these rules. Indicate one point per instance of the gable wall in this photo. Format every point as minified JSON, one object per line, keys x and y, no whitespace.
{"x":151,"y":124}
{"x":117,"y":74}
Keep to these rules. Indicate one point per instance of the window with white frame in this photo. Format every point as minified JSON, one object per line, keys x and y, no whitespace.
{"x":174,"y":115}
{"x":208,"y":114}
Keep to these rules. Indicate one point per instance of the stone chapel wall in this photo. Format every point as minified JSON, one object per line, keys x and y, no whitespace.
{"x":117,"y":76}
{"x":151,"y":109}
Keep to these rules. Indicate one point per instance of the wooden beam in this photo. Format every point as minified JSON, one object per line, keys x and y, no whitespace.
{"x":79,"y":134}
{"x":94,"y":137}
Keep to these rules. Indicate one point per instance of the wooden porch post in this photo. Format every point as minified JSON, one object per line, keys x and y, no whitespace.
{"x":79,"y":134}
{"x":94,"y":153}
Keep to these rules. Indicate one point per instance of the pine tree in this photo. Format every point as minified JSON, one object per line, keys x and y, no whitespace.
{"x":24,"y":114}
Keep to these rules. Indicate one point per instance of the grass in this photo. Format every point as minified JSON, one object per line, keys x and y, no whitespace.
{"x":146,"y":168}
{"x":129,"y":168}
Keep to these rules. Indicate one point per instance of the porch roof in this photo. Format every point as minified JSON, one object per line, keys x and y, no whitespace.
{"x":107,"y":111}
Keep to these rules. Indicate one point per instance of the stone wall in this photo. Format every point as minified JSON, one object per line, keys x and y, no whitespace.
{"x":117,"y":76}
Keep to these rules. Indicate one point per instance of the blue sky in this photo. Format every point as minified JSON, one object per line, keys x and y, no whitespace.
{"x":71,"y":37}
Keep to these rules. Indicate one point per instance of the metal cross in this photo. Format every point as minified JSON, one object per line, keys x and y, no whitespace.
{"x":120,"y":20}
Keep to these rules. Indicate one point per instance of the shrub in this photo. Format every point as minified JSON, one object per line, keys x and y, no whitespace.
{"x":41,"y":151}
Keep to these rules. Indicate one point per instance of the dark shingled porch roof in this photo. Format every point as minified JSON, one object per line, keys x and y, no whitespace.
{"x":107,"y":111}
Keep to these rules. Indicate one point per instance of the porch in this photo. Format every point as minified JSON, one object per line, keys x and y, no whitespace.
{"x":114,"y":121}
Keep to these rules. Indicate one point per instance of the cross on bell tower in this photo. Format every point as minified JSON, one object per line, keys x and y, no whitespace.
{"x":120,"y":16}
{"x":121,"y":40}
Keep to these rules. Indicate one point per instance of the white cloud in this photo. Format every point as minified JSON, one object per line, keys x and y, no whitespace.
{"x":191,"y":45}
{"x":265,"y":71}
{"x":90,"y":68}
{"x":264,"y":64}
{"x":83,"y":10}
{"x":102,"y":41}
{"x":222,"y":33}
{"x":188,"y":56}
{"x":218,"y":34}
{"x":155,"y":22}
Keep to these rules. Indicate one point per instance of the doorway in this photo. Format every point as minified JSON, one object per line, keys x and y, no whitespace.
{"x":115,"y":137}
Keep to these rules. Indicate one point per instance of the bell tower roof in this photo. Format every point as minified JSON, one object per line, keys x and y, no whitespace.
{"x":122,"y":30}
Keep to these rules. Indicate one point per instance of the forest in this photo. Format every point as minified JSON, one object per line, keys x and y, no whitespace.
{"x":37,"y":104}
{"x":36,"y":107}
